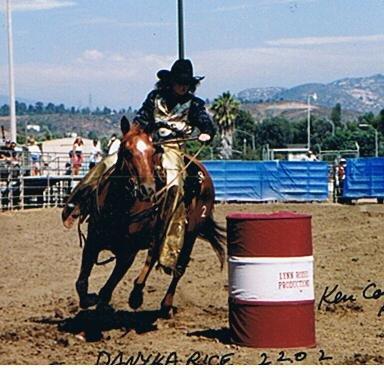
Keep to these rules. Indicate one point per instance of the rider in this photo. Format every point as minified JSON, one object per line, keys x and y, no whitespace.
{"x":171,"y":111}
{"x":340,"y":176}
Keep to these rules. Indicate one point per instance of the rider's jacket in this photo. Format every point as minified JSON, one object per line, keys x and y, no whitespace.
{"x":167,"y":116}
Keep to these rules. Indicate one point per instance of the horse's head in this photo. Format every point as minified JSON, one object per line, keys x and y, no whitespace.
{"x":136,"y":159}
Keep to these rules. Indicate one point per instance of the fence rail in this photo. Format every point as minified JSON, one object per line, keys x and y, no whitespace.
{"x":46,"y":163}
{"x":36,"y":191}
{"x":30,"y":180}
{"x":242,"y":181}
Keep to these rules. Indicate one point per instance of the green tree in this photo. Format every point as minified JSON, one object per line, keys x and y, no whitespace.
{"x":50,"y":109}
{"x":245,"y":129}
{"x":225,"y":109}
{"x":4,"y":110}
{"x":380,"y":122}
{"x":85,"y":111}
{"x":39,"y":107}
{"x":336,"y":114}
{"x":60,"y":109}
{"x":276,"y":132}
{"x":21,"y":108}
{"x":107,"y":110}
{"x":31,"y":109}
{"x":92,"y":135}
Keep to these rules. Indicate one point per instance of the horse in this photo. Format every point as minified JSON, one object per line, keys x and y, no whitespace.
{"x":123,"y":214}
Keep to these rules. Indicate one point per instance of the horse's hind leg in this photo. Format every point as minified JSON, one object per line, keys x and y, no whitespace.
{"x":123,"y":262}
{"x":166,"y":310}
{"x":89,"y":258}
{"x":135,"y":299}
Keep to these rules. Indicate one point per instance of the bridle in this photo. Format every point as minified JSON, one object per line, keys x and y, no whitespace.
{"x":132,"y":185}
{"x":131,"y":182}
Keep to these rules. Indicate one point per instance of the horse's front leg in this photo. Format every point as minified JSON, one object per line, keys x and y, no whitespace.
{"x":135,"y":299}
{"x":89,"y":258}
{"x":167,"y":309}
{"x":123,"y":262}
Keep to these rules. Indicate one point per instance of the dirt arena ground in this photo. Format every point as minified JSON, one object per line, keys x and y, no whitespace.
{"x":40,"y":321}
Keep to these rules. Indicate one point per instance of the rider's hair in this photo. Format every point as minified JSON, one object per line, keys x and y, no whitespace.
{"x":164,"y":85}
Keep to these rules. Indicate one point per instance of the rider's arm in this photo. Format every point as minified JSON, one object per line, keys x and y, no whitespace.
{"x":199,"y":117}
{"x":144,"y":116}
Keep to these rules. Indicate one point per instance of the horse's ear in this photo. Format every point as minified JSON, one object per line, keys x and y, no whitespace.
{"x":124,"y":124}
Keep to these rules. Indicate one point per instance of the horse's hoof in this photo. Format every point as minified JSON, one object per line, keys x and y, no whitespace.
{"x":89,"y":301}
{"x":136,"y":297}
{"x":167,"y":312}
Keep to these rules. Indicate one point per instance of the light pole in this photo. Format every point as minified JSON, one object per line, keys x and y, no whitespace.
{"x":250,"y":135}
{"x":333,"y":126}
{"x":376,"y":137}
{"x":314,"y":96}
{"x":12,"y":103}
{"x":180,"y":28}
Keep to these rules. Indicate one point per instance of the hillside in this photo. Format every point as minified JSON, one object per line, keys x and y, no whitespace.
{"x":292,"y":110}
{"x":60,"y":125}
{"x":65,"y":124}
{"x":364,"y":94}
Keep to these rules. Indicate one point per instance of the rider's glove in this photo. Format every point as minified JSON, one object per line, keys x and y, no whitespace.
{"x":204,"y":137}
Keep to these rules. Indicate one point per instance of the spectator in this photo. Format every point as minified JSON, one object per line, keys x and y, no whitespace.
{"x":35,"y":152}
{"x":16,"y":151}
{"x":7,"y":150}
{"x":77,"y":155}
{"x":113,"y":144}
{"x":68,"y":169}
{"x":341,"y":170}
{"x":311,"y":156}
{"x":96,"y":154}
{"x":339,"y":177}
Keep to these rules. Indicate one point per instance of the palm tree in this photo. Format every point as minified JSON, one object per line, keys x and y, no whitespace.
{"x":225,"y":109}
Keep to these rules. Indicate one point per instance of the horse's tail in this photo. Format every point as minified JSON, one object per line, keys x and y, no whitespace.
{"x":215,"y":234}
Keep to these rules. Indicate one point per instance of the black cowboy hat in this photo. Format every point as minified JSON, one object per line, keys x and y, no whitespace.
{"x":181,"y":72}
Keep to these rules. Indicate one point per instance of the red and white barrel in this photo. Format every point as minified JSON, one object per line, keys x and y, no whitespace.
{"x":271,"y":292}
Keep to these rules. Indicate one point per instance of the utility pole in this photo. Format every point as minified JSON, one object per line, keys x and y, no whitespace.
{"x":332,"y":124}
{"x":12,"y":102}
{"x":180,"y":28}
{"x":314,"y":96}
{"x":90,"y":103}
{"x":368,"y":126}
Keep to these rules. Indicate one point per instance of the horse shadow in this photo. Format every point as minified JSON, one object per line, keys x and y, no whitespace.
{"x":92,"y":323}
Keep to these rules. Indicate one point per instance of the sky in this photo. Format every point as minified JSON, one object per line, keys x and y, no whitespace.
{"x":68,"y":50}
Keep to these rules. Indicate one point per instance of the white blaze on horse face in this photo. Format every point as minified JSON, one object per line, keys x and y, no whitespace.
{"x":141,"y":146}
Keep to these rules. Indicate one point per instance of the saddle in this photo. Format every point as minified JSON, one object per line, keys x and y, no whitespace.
{"x":193,"y":179}
{"x":82,"y":199}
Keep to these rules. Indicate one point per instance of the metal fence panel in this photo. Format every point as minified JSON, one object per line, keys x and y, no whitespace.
{"x":364,"y":178}
{"x":269,"y":180}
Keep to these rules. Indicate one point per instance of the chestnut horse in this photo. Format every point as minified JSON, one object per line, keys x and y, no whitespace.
{"x":124,"y":217}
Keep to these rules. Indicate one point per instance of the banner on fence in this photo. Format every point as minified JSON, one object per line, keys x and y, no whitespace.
{"x":364,"y":178}
{"x":259,"y":181}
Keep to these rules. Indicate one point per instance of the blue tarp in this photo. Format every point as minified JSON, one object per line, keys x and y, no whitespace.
{"x":245,"y":181}
{"x":364,"y":178}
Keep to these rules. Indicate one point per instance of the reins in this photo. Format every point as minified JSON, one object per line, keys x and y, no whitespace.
{"x":178,"y":140}
{"x":153,"y":210}
{"x":148,"y":212}
{"x":183,"y":170}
